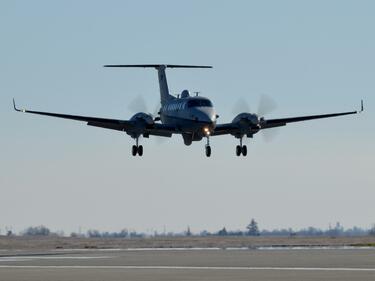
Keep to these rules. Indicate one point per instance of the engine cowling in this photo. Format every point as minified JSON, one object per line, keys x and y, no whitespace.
{"x":140,"y":121}
{"x":248,"y":123}
{"x":247,"y":118}
{"x":142,"y":117}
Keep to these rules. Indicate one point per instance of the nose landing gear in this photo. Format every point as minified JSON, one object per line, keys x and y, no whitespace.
{"x":241,"y":149}
{"x":137,"y":149}
{"x":208,"y":148}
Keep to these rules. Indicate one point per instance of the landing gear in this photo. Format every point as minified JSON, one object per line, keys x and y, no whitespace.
{"x":244,"y":150}
{"x":241,"y":149}
{"x":137,"y":149}
{"x":238,"y":150}
{"x":140,"y":150}
{"x":134,"y":150}
{"x":208,"y":148}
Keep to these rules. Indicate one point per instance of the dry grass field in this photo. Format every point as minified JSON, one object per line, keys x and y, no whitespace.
{"x":50,"y":243}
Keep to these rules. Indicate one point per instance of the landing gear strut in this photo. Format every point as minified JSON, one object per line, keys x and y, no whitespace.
{"x":208,"y":148}
{"x":137,"y":149}
{"x":241,"y":149}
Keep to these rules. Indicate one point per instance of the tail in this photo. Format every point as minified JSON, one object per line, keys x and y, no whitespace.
{"x":163,"y":85}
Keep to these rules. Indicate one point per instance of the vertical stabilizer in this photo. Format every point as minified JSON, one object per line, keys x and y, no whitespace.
{"x":163,"y":85}
{"x":164,"y":92}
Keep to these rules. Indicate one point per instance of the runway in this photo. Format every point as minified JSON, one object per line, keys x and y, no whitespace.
{"x":202,"y":264}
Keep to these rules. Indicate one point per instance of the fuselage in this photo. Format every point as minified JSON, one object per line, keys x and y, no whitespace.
{"x":191,"y":115}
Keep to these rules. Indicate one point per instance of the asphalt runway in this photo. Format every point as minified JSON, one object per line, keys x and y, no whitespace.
{"x":194,"y":264}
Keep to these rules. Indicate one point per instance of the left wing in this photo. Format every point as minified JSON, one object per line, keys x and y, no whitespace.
{"x":128,"y":126}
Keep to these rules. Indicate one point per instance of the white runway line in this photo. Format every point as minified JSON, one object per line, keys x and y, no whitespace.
{"x":28,"y":258}
{"x":187,"y":267}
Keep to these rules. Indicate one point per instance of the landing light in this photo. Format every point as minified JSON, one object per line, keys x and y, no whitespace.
{"x":206,"y":131}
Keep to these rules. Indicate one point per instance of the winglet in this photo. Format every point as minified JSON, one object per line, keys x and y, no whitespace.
{"x":361,"y":107}
{"x":15,"y":107}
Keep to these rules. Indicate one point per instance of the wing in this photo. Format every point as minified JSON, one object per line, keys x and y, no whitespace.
{"x":235,"y":129}
{"x":225,"y":129}
{"x":128,"y":126}
{"x":283,"y":121}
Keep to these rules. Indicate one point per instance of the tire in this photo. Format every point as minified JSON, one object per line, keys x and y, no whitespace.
{"x":238,"y":150}
{"x":208,"y":151}
{"x":244,"y":150}
{"x":140,"y":150}
{"x":134,"y":150}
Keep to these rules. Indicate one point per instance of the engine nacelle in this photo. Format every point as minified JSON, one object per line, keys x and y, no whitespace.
{"x":247,"y":118}
{"x":248,"y":124}
{"x":143,"y":118}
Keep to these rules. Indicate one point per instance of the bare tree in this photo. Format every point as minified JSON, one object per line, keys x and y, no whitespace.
{"x":40,"y":230}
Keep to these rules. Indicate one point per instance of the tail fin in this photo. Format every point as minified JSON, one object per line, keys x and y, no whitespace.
{"x":163,"y":85}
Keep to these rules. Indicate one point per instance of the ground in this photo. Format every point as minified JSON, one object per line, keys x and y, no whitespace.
{"x":9,"y":243}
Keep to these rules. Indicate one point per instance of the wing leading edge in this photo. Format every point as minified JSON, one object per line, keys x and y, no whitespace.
{"x":233,"y":128}
{"x":167,"y":131}
{"x":113,"y":124}
{"x":283,"y":121}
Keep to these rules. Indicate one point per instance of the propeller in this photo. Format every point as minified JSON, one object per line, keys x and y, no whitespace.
{"x":138,"y":104}
{"x":266,"y":105}
{"x":240,"y":106}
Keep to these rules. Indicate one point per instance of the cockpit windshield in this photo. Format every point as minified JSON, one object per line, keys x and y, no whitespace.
{"x":199,"y":103}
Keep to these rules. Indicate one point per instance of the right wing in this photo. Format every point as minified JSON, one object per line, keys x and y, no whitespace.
{"x":270,"y":123}
{"x":237,"y":129}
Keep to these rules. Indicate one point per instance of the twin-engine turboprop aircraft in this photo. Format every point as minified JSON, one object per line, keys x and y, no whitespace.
{"x":193,"y":117}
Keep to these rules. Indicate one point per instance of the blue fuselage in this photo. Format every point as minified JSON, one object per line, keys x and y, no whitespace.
{"x":191,"y":115}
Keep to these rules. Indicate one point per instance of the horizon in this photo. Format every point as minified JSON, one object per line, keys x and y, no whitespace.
{"x":338,"y":227}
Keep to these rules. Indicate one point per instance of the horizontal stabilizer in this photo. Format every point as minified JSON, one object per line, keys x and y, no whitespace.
{"x":158,"y":65}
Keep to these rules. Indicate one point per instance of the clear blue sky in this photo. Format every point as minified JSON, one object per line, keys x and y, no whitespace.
{"x":312,"y":57}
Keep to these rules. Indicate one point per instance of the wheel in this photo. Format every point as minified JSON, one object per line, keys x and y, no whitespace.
{"x":208,"y":151}
{"x":244,"y":150}
{"x":134,"y":150}
{"x":238,"y":150}
{"x":140,"y":150}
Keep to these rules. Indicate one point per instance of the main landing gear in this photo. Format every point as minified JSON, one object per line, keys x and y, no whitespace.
{"x":241,"y":149}
{"x":137,"y":149}
{"x":208,"y":148}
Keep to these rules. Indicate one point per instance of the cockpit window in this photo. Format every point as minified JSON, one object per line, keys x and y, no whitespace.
{"x":199,"y":103}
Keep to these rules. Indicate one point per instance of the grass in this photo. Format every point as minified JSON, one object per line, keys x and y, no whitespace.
{"x":25,"y":243}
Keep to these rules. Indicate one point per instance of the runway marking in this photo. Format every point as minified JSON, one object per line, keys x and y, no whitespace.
{"x":28,"y":258}
{"x":187,"y":267}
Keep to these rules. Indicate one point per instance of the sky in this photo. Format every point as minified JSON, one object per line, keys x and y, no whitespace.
{"x":311,"y":57}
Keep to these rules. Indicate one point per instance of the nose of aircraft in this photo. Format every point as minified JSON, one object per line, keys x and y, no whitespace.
{"x":206,"y":115}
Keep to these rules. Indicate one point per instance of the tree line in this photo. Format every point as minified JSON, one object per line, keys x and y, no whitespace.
{"x":252,"y":229}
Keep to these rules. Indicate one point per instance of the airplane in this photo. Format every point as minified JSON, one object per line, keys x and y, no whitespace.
{"x":192,"y":117}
